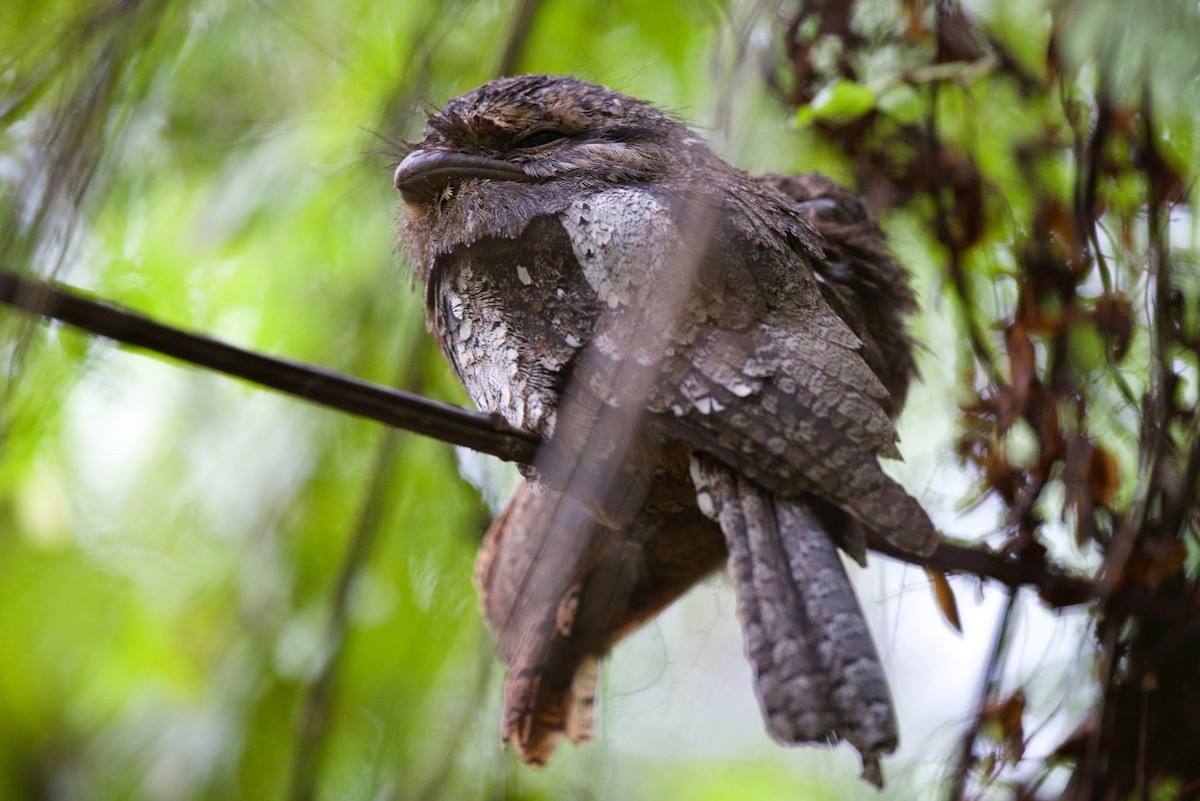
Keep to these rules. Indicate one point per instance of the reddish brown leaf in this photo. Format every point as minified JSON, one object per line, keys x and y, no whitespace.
{"x":1007,"y":716}
{"x":1076,"y":481}
{"x":914,"y":15}
{"x":1053,"y":63}
{"x":1046,"y":406}
{"x":1011,"y":712}
{"x":1115,"y":322}
{"x":1055,"y":218}
{"x":943,"y":594}
{"x":1000,"y":475}
{"x":1127,"y":233}
{"x":1123,"y":118}
{"x":1022,"y":365}
{"x":1158,"y":561}
{"x":1103,"y":477}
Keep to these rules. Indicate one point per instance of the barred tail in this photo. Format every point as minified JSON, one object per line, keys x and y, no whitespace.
{"x":818,"y":675}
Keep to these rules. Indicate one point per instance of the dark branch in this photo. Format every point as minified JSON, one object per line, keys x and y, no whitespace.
{"x":480,"y":432}
{"x":1056,"y":587}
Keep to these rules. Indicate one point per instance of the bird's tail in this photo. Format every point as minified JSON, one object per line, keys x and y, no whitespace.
{"x":560,"y":590}
{"x":531,"y":577}
{"x":817,"y":673}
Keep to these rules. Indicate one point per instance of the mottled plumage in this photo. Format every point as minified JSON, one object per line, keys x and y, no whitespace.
{"x":714,"y":360}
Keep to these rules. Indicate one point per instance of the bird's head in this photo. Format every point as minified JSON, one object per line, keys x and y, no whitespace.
{"x":548,"y":131}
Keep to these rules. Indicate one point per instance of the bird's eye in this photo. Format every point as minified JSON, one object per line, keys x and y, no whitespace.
{"x":539,"y":138}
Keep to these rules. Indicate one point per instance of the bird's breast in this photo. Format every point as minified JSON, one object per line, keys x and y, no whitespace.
{"x":511,"y":314}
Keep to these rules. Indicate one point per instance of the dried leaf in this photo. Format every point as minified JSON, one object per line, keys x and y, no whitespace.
{"x":1007,"y":716}
{"x":1022,"y":365}
{"x":999,"y":475}
{"x":1076,"y":480}
{"x":1054,"y":217}
{"x":914,"y":16}
{"x":943,"y":594}
{"x":1115,"y":322}
{"x":1103,"y":477}
{"x":1011,"y":712}
{"x":1158,"y":561}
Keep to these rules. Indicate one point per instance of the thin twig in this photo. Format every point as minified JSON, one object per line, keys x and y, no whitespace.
{"x":991,"y":683}
{"x":313,"y":723}
{"x":954,"y":265}
{"x":518,"y":35}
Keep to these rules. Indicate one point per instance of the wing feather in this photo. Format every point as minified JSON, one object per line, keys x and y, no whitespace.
{"x":783,"y":396}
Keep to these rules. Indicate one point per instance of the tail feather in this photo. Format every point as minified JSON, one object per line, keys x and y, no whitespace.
{"x":818,"y":675}
{"x":560,"y":589}
{"x":531,"y":577}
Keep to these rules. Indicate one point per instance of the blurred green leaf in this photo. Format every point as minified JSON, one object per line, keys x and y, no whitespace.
{"x":171,"y":541}
{"x":841,"y":101}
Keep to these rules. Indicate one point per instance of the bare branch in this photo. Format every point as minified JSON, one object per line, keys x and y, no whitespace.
{"x":1056,"y":587}
{"x":480,"y":432}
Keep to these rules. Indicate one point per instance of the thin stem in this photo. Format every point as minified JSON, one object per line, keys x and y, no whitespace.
{"x":989,"y":688}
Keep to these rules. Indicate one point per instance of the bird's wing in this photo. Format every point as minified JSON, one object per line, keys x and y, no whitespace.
{"x":724,"y":337}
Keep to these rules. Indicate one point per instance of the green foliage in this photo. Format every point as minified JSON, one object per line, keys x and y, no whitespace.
{"x":172,"y":543}
{"x":840,"y":101}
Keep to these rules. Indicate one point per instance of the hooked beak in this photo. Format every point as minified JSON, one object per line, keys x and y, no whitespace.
{"x":424,"y":174}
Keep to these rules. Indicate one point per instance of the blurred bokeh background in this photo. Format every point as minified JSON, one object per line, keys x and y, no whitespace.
{"x":208,"y":591}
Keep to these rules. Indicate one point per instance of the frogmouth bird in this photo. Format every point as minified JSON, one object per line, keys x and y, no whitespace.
{"x":713,"y":361}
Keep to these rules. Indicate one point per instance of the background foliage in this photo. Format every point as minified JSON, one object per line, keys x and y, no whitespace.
{"x":207,"y":591}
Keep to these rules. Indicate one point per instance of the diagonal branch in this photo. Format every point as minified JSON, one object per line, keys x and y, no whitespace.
{"x":481,"y":432}
{"x":484,"y":433}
